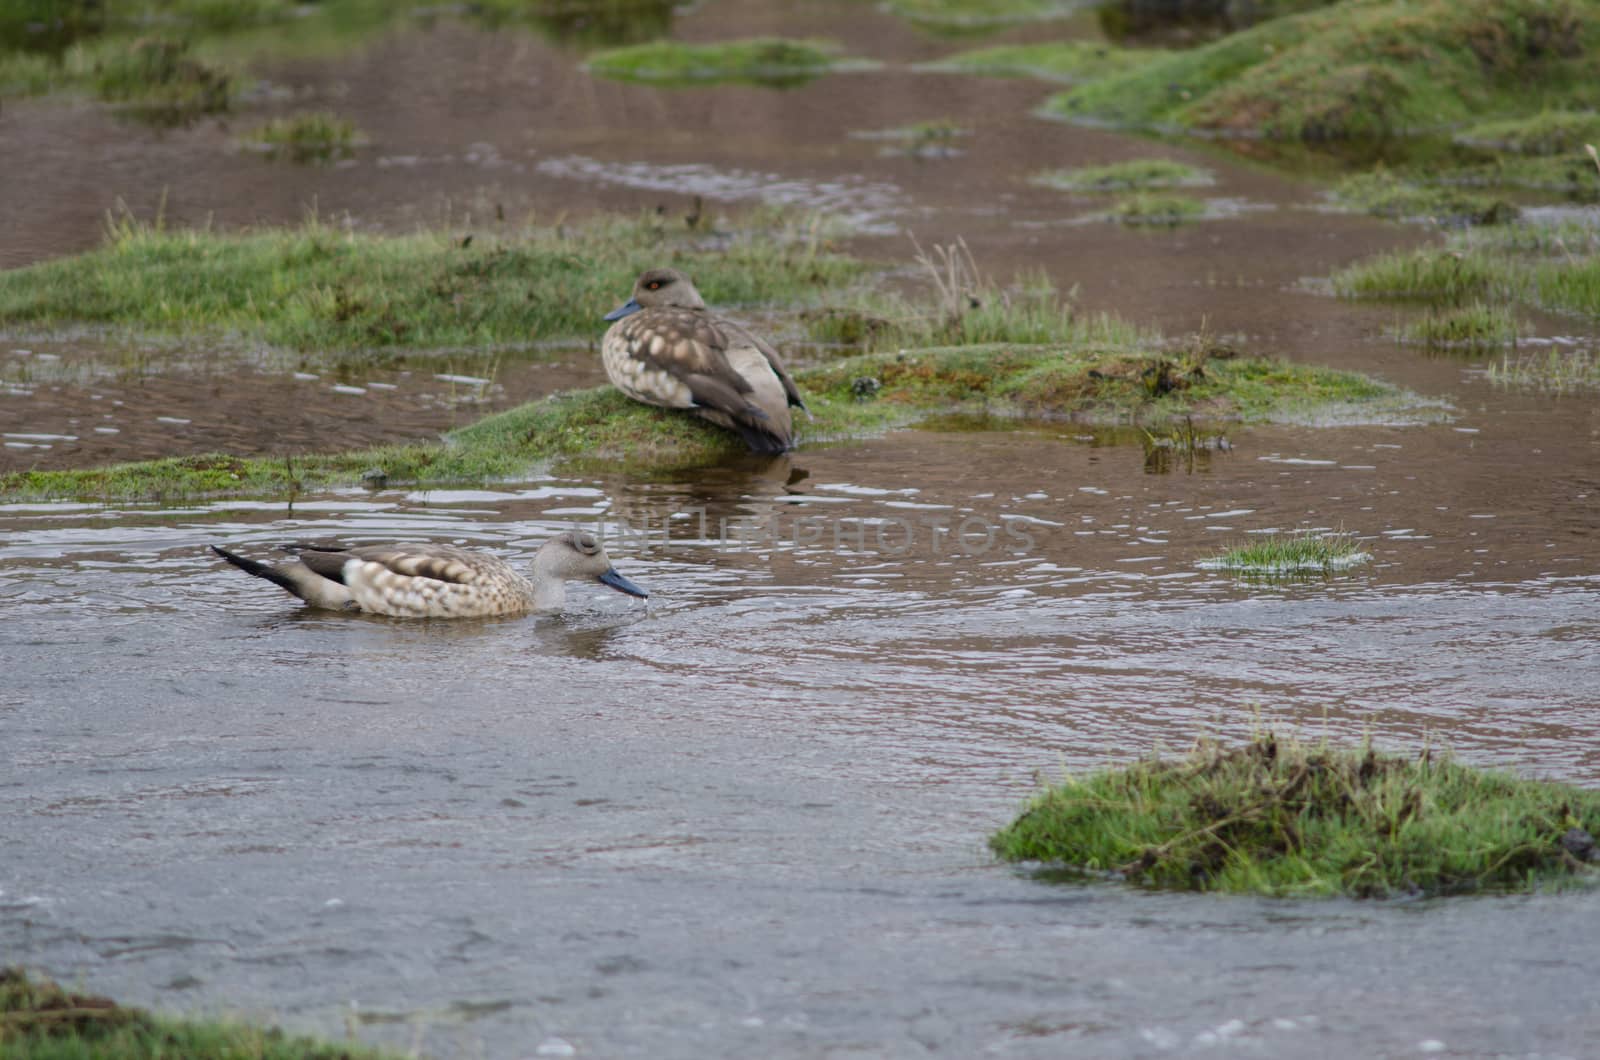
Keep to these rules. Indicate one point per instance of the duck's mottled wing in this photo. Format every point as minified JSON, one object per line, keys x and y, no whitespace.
{"x":443,"y":563}
{"x":683,"y":343}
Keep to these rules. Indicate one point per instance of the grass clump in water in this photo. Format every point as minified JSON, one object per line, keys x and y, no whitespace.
{"x":317,"y":287}
{"x":1145,"y":208}
{"x":1069,"y":61}
{"x":1363,"y":70}
{"x":1554,"y":370}
{"x":1553,"y":268}
{"x":1384,"y":194}
{"x":1138,"y":173}
{"x":1270,"y":555}
{"x":924,"y":139}
{"x":1474,"y":326}
{"x":1286,"y":818}
{"x":39,"y":1020}
{"x":968,"y":16}
{"x":315,"y":136}
{"x":159,"y":79}
{"x":764,"y":60}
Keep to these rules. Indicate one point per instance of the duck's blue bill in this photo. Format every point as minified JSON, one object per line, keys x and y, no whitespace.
{"x":621,"y":584}
{"x":630,"y":307}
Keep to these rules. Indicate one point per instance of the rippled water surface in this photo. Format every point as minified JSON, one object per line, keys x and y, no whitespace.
{"x":748,"y":819}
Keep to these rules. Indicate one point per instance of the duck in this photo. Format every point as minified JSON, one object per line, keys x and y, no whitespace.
{"x":665,"y":348}
{"x":435,"y":580}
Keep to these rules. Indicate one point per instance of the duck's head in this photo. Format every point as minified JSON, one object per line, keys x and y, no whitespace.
{"x":576,"y":554}
{"x":660,"y":287}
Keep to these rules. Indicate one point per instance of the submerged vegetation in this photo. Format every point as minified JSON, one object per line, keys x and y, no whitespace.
{"x":40,"y":1020}
{"x":1370,"y":69}
{"x":315,"y":136}
{"x":1283,"y":817}
{"x":1276,"y":555}
{"x":765,"y":60}
{"x":1132,"y":174}
{"x":320,"y":287}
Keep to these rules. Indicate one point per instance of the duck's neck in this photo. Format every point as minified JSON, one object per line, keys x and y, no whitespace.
{"x":549,"y":591}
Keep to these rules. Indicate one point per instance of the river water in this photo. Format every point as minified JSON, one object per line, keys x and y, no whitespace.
{"x":748,"y":818}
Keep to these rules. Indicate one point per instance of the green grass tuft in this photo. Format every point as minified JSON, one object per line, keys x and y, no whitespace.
{"x":40,"y":1020}
{"x":764,"y":60}
{"x":1138,"y":173}
{"x":315,"y":136}
{"x":1285,"y":818}
{"x":1270,"y":555}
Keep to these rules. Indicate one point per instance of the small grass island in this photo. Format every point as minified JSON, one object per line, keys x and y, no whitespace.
{"x":1283,"y":817}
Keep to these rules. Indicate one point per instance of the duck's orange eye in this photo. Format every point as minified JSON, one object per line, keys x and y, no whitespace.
{"x":654,"y":285}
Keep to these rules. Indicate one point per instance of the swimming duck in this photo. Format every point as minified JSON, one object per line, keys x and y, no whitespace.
{"x":437,"y":581}
{"x":664,"y":348}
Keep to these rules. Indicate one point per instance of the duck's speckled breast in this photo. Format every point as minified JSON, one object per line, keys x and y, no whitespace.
{"x":647,"y":354}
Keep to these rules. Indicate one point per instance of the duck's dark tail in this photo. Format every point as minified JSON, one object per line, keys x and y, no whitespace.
{"x":260,"y":570}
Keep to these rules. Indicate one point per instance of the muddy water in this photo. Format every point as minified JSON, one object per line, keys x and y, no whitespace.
{"x":748,"y":819}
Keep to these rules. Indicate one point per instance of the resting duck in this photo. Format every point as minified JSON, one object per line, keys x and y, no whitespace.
{"x":666,"y":349}
{"x":437,"y":581}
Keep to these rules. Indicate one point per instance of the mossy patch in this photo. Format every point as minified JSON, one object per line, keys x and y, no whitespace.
{"x":1134,"y":174}
{"x":1067,"y":61}
{"x":314,"y":136}
{"x":318,"y":287}
{"x":1363,"y":70}
{"x":850,"y":397}
{"x":763,"y":60}
{"x":40,"y":1020}
{"x":1286,"y":818}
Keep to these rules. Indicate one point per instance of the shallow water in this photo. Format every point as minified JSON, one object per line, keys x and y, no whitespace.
{"x":748,"y":819}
